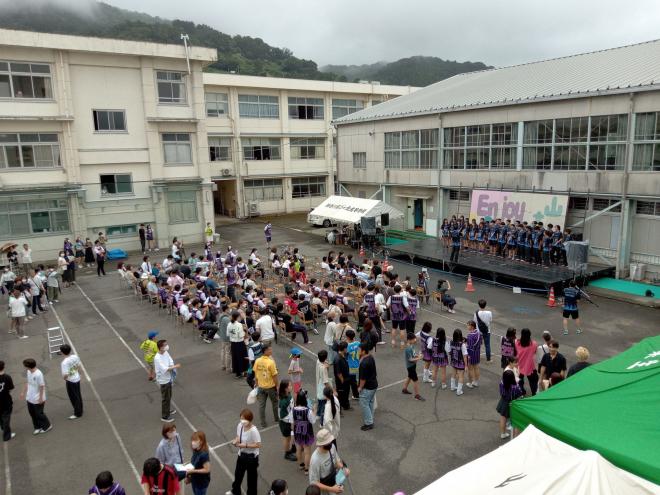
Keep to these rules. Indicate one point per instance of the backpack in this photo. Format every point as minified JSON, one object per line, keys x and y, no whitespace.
{"x":481,"y":325}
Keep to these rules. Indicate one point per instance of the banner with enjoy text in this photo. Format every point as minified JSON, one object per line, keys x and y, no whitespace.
{"x":529,"y":207}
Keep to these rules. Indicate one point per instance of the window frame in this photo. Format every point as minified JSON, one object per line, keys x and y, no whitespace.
{"x":655,"y":208}
{"x":183,"y":100}
{"x":220,"y":146}
{"x":320,"y":181}
{"x":24,"y":209}
{"x":646,"y":145}
{"x":361,"y":162}
{"x":251,"y":186}
{"x":126,"y":230}
{"x":11,"y":74}
{"x":22,"y":143}
{"x":319,"y":103}
{"x":95,"y":120}
{"x":339,"y":106}
{"x":305,"y":147}
{"x":217,"y":104}
{"x":116,"y":183}
{"x":257,"y":143}
{"x":404,"y":150}
{"x":178,"y":142}
{"x":261,"y":106}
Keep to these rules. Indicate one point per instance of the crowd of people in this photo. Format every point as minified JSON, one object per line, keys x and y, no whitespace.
{"x":245,"y":306}
{"x":535,"y":243}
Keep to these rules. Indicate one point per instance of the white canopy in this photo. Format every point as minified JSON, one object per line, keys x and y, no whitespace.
{"x":536,"y":463}
{"x":348,"y":209}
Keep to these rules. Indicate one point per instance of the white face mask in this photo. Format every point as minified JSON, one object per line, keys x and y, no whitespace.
{"x":166,"y":348}
{"x":245,"y":422}
{"x":195,"y":445}
{"x":171,"y":434}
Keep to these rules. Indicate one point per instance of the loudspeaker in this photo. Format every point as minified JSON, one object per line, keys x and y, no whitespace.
{"x":384,"y":219}
{"x":368,"y":225}
{"x":577,"y":255}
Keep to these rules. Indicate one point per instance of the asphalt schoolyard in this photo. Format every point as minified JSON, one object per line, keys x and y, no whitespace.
{"x":412,"y":444}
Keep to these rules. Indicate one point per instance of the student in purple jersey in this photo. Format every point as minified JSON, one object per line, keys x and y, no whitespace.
{"x":457,"y":351}
{"x":425,"y":346}
{"x":473,"y":343}
{"x":412,"y":305}
{"x":508,"y":347}
{"x":439,"y":357}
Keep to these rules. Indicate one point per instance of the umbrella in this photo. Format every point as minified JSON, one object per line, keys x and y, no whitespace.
{"x":7,"y":246}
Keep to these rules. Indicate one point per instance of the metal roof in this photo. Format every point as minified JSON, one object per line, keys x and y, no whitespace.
{"x":616,"y":70}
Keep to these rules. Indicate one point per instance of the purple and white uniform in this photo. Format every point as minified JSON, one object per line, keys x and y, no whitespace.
{"x":411,"y":318}
{"x":268,"y":232}
{"x":438,"y":353}
{"x":370,"y":301}
{"x":424,"y":346}
{"x":303,"y":431}
{"x":242,"y":270}
{"x":231,"y":275}
{"x":474,"y":340}
{"x":398,"y":311}
{"x":456,"y":352}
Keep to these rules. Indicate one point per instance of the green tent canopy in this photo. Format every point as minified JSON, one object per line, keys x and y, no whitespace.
{"x":612,"y":407}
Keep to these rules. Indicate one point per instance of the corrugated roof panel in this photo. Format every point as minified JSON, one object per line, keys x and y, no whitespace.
{"x":634,"y":66}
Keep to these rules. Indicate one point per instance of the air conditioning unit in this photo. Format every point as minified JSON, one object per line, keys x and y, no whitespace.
{"x":253,"y":208}
{"x":226,"y":172}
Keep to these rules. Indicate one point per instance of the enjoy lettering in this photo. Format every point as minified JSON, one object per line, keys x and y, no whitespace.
{"x":510,"y":209}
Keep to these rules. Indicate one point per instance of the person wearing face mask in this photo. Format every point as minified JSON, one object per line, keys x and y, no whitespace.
{"x":326,"y":469}
{"x":200,"y":476}
{"x":165,"y":373}
{"x":248,"y":442}
{"x":169,"y":449}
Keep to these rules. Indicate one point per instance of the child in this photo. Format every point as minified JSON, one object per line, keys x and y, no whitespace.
{"x":286,"y":418}
{"x":439,"y":357}
{"x":411,"y":358}
{"x":426,"y":344}
{"x":255,"y":351}
{"x":457,"y":351}
{"x":474,"y":339}
{"x":508,"y":347}
{"x":295,"y":370}
{"x":303,"y":430}
{"x":105,"y":485}
{"x":509,"y":391}
{"x":150,"y":349}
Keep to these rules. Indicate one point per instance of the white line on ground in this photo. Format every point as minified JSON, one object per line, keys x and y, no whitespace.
{"x":122,"y":446}
{"x":7,"y":470}
{"x":116,"y":298}
{"x":142,"y":365}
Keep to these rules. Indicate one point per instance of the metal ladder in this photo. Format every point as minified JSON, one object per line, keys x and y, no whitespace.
{"x":55,"y":340}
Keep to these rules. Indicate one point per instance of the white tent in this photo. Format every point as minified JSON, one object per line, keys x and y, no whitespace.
{"x":348,"y":209}
{"x":536,"y":463}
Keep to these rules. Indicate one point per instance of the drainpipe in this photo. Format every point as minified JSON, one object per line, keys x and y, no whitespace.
{"x":623,"y":218}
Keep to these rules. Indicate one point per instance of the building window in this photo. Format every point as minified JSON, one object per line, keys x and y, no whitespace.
{"x":109,"y":120}
{"x":23,"y":218}
{"x":171,"y":87}
{"x":481,"y":146}
{"x":341,"y":107}
{"x":600,"y":204}
{"x":261,"y":148}
{"x":646,"y":152}
{"x":308,"y":187}
{"x":362,"y":194}
{"x":459,"y":195}
{"x":305,"y":108}
{"x":25,"y":80}
{"x":29,"y":151}
{"x":259,"y":106}
{"x":375,"y":102}
{"x":307,"y":148}
{"x":182,"y":206}
{"x":177,"y":148}
{"x":577,"y":203}
{"x":263,"y":190}
{"x":412,"y":149}
{"x":219,"y":149}
{"x":648,"y":208}
{"x":116,"y":184}
{"x":217,"y":104}
{"x":121,"y":230}
{"x":360,"y":160}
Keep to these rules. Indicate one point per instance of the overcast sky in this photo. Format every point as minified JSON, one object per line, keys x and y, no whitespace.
{"x":496,"y":32}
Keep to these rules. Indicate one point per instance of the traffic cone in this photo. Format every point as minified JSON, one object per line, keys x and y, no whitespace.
{"x":362,"y":251}
{"x":551,"y":298}
{"x":469,"y":287}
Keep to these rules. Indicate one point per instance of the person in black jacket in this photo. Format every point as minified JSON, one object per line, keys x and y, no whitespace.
{"x":342,"y":375}
{"x":6,"y":403}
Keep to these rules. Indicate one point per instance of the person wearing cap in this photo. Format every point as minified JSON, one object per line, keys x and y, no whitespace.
{"x":295,"y":370}
{"x":325,"y":465}
{"x":149,"y":348}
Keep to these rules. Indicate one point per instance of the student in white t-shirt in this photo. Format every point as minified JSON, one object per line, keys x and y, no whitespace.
{"x":70,"y":366}
{"x":484,"y":320}
{"x":35,"y":395}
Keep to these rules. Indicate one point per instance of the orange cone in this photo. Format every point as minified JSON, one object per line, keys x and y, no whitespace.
{"x":362,"y":251}
{"x":469,"y":287}
{"x":551,"y":298}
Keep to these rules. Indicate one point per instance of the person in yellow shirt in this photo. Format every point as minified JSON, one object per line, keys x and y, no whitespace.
{"x":208,"y":233}
{"x":150,"y":349}
{"x":265,"y":374}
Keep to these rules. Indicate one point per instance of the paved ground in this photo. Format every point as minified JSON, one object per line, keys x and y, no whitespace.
{"x":413,"y":443}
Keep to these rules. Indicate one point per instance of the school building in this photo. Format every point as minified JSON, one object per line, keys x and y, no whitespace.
{"x":103,"y":134}
{"x":586,"y":126}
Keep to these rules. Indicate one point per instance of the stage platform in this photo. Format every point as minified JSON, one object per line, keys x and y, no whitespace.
{"x":432,"y":253}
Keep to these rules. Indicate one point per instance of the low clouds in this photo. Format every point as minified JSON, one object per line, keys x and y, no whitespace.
{"x":354,"y":32}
